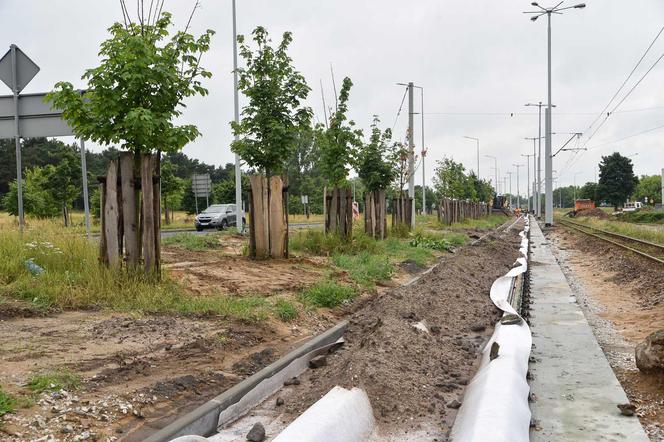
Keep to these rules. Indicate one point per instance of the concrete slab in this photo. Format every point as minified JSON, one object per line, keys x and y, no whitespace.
{"x":576,"y":391}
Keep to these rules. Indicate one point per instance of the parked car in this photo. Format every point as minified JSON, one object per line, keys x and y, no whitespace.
{"x":217,"y":216}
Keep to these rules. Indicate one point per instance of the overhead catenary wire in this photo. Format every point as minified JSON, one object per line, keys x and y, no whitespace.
{"x":400,"y":108}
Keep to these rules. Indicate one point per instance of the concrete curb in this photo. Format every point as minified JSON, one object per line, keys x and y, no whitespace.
{"x":203,"y":420}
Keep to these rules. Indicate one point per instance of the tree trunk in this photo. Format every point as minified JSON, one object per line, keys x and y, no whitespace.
{"x":147,"y":196}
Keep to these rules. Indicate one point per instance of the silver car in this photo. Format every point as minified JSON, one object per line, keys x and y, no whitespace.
{"x":218,"y":216}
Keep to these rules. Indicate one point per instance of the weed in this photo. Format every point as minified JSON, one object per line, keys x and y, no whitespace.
{"x":55,"y":380}
{"x":327,"y":294}
{"x":7,"y":403}
{"x":194,"y":242}
{"x":365,"y":268}
{"x":401,"y":230}
{"x":286,"y":311}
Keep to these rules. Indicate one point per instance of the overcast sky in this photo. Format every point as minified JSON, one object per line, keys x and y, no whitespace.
{"x":478,"y":61}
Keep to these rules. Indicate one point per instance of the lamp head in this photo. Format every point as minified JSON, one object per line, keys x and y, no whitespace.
{"x":580,"y":6}
{"x":534,"y":17}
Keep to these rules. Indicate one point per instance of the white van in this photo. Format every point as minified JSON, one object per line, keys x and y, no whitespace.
{"x":632,"y":206}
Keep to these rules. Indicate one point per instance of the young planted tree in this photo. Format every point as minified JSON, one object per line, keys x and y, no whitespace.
{"x":338,"y":145}
{"x":401,"y":203}
{"x":616,"y":179}
{"x":268,"y":132}
{"x":133,"y":99}
{"x":376,"y":165}
{"x":63,"y":180}
{"x":172,"y":190}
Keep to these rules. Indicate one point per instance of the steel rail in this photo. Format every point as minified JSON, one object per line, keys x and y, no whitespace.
{"x":618,"y":235}
{"x":581,"y":227}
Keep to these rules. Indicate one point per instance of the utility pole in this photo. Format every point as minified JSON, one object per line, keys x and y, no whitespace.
{"x":536,"y":197}
{"x":538,"y":179}
{"x":238,"y":172}
{"x":663,"y":188}
{"x":528,"y":181}
{"x":518,"y":192}
{"x":510,"y":175}
{"x":411,"y":155}
{"x":548,"y":159}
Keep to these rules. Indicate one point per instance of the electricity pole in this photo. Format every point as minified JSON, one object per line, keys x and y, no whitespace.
{"x":238,"y":173}
{"x":518,"y":192}
{"x":411,"y":155}
{"x":528,"y":181}
{"x":548,"y":159}
{"x":495,"y":167}
{"x":510,"y":175}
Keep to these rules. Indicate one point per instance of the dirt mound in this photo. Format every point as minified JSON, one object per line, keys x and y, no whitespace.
{"x":593,"y":213}
{"x":414,"y":376}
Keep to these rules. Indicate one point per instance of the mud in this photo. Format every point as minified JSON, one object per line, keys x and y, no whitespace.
{"x":413,"y":377}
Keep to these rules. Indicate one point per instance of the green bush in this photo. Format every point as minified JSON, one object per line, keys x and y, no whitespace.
{"x":327,"y":294}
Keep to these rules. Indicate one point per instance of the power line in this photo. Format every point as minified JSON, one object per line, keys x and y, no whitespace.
{"x":626,"y":79}
{"x":628,"y":136}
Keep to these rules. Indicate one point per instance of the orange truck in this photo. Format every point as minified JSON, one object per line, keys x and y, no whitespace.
{"x":583,"y":205}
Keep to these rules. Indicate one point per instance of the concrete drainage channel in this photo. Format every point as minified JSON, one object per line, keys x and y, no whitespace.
{"x":345,"y":415}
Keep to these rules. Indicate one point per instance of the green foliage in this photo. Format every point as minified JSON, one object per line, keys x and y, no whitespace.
{"x":286,"y":311}
{"x":193,"y":242}
{"x":37,"y":200}
{"x":401,"y":230}
{"x":589,"y":192}
{"x":327,"y":294}
{"x":642,"y":217}
{"x":365,"y":268}
{"x":338,"y":143}
{"x":649,"y":186}
{"x":272,"y":119}
{"x":172,"y":187}
{"x":54,"y":380}
{"x":7,"y":403}
{"x":616,"y":179}
{"x":441,"y":244}
{"x":450,"y":181}
{"x":376,"y":161}
{"x":138,"y":90}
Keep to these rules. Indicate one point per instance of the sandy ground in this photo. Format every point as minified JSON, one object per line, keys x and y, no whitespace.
{"x":622,"y":298}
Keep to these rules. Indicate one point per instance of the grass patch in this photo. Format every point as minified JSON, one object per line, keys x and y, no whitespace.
{"x":7,"y":403}
{"x":652,"y":233}
{"x":365,"y":268}
{"x":487,"y":223}
{"x":55,"y":380}
{"x":316,"y":242}
{"x":285,"y":310}
{"x":252,"y":309}
{"x":327,"y":294}
{"x":193,"y":242}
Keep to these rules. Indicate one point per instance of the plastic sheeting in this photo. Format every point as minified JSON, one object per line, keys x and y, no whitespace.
{"x":340,"y":416}
{"x":495,"y":406}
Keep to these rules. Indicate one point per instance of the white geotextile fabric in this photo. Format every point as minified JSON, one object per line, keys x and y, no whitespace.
{"x":495,"y":405}
{"x":340,"y":416}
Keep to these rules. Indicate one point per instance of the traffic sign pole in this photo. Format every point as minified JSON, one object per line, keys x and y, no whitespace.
{"x":17,"y":140}
{"x":86,"y":204}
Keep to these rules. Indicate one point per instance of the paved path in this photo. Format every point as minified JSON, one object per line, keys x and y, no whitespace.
{"x":576,"y":390}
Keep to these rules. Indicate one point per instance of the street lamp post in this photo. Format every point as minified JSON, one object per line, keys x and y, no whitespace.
{"x":510,"y":175}
{"x":478,"y":154}
{"x":518,"y":193}
{"x":528,"y":180}
{"x":557,"y":9}
{"x":495,"y":166}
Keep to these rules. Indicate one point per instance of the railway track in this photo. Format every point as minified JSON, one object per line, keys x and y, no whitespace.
{"x":649,"y":250}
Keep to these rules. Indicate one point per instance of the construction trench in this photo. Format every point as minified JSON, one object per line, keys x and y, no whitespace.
{"x":502,"y":354}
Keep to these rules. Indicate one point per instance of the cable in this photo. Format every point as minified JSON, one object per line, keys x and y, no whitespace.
{"x":628,"y":136}
{"x":399,"y":111}
{"x":626,"y":79}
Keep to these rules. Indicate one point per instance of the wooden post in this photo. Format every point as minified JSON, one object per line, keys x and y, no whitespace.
{"x":277,"y":219}
{"x":259,"y":215}
{"x":156,"y":213}
{"x":111,"y":216}
{"x":103,"y":247}
{"x":147,"y":195}
{"x":129,"y":215}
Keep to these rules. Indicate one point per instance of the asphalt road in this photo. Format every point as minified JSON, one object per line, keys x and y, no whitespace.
{"x":166,"y":233}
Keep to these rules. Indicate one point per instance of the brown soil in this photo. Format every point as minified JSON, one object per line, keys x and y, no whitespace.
{"x":593,"y":213}
{"x":628,"y":291}
{"x":412,"y":376}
